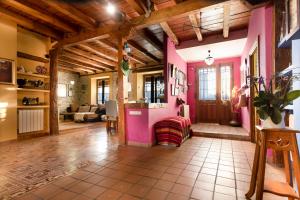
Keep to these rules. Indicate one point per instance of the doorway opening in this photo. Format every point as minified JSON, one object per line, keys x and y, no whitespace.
{"x":213,"y":103}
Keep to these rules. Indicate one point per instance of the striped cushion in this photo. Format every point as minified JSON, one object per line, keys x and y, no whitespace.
{"x":172,"y":130}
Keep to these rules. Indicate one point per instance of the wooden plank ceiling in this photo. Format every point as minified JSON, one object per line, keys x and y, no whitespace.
{"x":64,"y":19}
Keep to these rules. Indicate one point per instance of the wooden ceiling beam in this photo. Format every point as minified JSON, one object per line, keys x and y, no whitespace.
{"x":151,"y":38}
{"x":226,"y":20}
{"x":91,"y":56}
{"x":143,"y":51}
{"x":167,"y":29}
{"x":96,"y":50}
{"x":74,"y":67}
{"x":111,"y":46}
{"x":137,"y":6}
{"x":38,"y":15}
{"x":77,"y":64}
{"x":29,"y":24}
{"x":196,"y":26}
{"x":71,"y":12}
{"x":86,"y":61}
{"x":63,"y":67}
{"x":181,"y":9}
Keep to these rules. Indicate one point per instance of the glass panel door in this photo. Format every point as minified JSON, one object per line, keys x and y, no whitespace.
{"x":207,"y":84}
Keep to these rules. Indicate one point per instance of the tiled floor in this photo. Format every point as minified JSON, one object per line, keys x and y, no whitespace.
{"x":67,"y":125}
{"x":201,"y":168}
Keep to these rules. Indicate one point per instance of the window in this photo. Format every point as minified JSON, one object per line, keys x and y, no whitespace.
{"x":207,"y":84}
{"x":102,"y":91}
{"x":225,"y":83}
{"x":154,"y":88}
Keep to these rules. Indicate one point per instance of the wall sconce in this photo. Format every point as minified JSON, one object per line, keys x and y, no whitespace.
{"x":72,"y":82}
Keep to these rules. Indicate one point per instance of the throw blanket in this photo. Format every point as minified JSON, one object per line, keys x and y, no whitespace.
{"x":172,"y":130}
{"x":79,"y":117}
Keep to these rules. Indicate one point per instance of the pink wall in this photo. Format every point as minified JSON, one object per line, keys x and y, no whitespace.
{"x":173,"y":58}
{"x":139,"y":129}
{"x":260,"y":24}
{"x":192,"y":73}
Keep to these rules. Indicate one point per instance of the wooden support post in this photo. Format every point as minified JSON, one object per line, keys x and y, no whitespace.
{"x":121,"y":95}
{"x":53,"y":90}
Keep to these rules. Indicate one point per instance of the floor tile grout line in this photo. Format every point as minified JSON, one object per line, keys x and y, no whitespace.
{"x":215,"y":183}
{"x":235,"y":181}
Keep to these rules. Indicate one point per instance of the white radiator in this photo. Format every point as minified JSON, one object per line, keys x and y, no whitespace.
{"x":31,"y":120}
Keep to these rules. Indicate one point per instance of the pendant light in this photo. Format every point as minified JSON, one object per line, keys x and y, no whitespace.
{"x":209,"y":60}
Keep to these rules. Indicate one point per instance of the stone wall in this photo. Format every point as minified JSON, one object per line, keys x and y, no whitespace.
{"x":66,"y":78}
{"x":84,"y":90}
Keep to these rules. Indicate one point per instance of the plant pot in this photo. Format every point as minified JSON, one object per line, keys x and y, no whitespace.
{"x":268,"y":123}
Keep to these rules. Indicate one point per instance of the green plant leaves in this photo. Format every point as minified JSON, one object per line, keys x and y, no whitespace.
{"x":292,"y":95}
{"x":262,"y":114}
{"x":276,"y":116}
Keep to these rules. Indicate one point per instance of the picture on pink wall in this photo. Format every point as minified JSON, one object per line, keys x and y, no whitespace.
{"x":172,"y":90}
{"x":6,"y":71}
{"x":171,"y":70}
{"x":181,"y":78}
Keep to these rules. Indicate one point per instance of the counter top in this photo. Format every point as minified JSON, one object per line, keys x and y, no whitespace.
{"x":145,"y":105}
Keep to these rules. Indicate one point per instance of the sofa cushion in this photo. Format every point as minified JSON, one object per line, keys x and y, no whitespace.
{"x":94,"y":109}
{"x":74,"y":107}
{"x":84,"y":109}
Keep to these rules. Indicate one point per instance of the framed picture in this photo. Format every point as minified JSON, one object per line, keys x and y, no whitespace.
{"x":62,"y":90}
{"x":176,"y":91}
{"x":7,"y":71}
{"x":176,"y":73}
{"x":172,"y":90}
{"x":171,"y":70}
{"x":181,"y":78}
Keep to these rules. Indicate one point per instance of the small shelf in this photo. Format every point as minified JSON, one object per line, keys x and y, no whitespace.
{"x":32,"y":57}
{"x":33,"y":90}
{"x":33,"y":75}
{"x":32,"y":106}
{"x":280,"y":188}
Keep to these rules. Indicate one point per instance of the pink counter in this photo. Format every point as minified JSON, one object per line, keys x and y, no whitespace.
{"x":139,"y":121}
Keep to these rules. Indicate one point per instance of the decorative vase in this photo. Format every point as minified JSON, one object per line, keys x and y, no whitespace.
{"x":268,"y":123}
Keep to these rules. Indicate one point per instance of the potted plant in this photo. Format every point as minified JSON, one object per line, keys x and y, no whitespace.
{"x":271,"y":100}
{"x":235,"y":108}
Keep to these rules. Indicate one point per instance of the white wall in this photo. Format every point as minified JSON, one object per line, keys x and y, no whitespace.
{"x":296,"y":84}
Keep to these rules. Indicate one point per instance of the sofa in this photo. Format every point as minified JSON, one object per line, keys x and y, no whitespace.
{"x":87,"y":113}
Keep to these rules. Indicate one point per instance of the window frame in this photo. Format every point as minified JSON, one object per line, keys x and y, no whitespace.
{"x":218,"y":79}
{"x":154,"y":98}
{"x":105,"y":80}
{"x":230,"y":65}
{"x":198,"y":78}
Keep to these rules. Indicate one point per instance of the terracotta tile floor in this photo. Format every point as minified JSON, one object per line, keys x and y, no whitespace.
{"x":220,"y":129}
{"x":67,"y":125}
{"x":202,"y":168}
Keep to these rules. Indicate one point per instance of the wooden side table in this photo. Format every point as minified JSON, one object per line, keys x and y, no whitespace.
{"x":279,"y":140}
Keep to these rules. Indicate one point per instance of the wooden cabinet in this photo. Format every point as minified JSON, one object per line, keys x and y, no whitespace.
{"x":290,"y":27}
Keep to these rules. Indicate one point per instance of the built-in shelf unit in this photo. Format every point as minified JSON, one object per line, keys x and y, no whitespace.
{"x":33,"y":120}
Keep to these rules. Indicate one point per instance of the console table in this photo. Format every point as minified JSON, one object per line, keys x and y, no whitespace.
{"x":279,"y":140}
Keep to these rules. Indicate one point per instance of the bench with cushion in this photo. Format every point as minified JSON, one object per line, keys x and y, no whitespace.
{"x":172,"y":130}
{"x":89,"y":113}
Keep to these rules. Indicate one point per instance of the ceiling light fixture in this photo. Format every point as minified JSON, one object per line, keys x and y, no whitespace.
{"x":209,"y":60}
{"x":110,"y":8}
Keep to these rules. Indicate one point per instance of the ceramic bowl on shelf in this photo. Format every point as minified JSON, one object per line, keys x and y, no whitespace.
{"x":21,"y":82}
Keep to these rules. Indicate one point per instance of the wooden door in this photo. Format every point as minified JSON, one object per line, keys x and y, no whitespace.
{"x":254,"y":72}
{"x":214,"y":86}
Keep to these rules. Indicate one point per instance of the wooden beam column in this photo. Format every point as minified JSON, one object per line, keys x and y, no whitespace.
{"x":121,"y":93}
{"x":53,"y":90}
